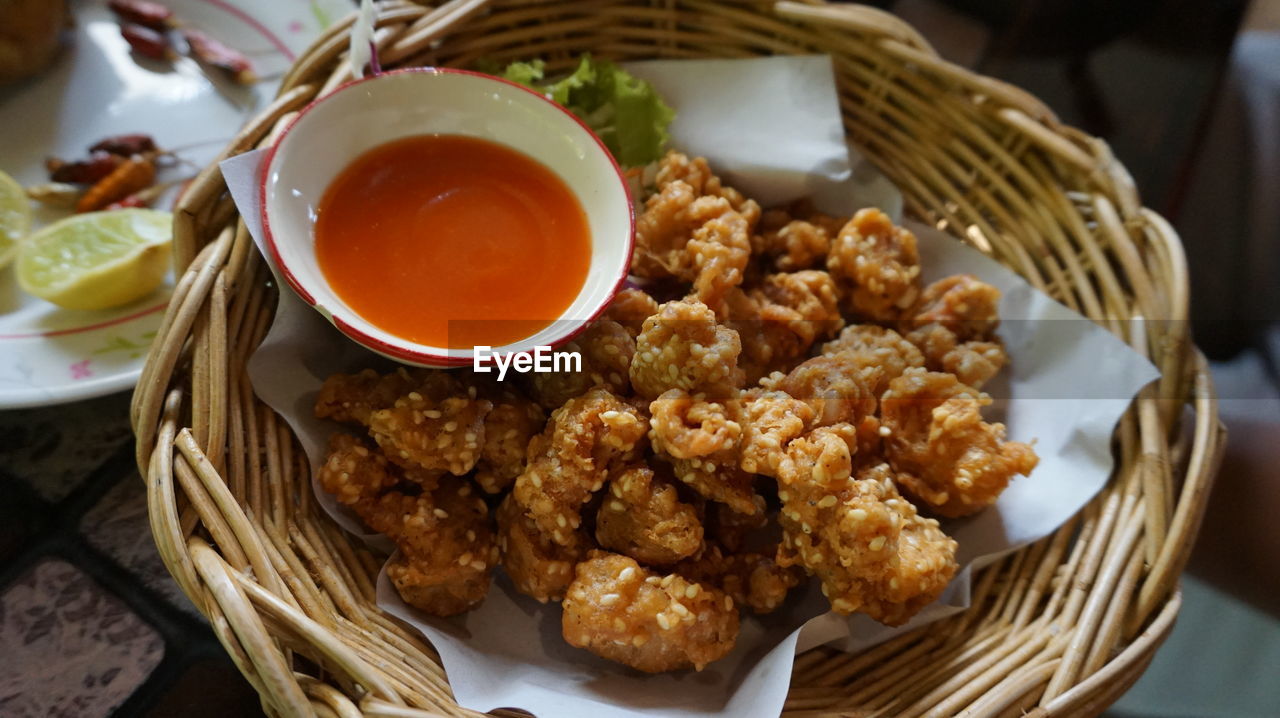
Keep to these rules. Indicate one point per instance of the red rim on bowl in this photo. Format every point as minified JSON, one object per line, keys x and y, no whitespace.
{"x":423,"y":356}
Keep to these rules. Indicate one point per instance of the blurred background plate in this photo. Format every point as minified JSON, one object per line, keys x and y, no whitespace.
{"x":97,"y":88}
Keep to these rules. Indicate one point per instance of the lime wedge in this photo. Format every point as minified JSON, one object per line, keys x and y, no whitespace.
{"x":97,"y":260}
{"x":15,"y":218}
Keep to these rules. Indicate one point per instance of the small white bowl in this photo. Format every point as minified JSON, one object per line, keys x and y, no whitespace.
{"x":335,"y":130}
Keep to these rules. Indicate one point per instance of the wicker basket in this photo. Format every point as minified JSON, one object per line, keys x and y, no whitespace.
{"x":1062,"y":627}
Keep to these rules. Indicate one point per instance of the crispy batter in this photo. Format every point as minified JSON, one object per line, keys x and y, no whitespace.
{"x":947,"y":457}
{"x":630,"y":307}
{"x":700,"y":438}
{"x":812,"y":294}
{"x":837,"y":388}
{"x":962,"y":303}
{"x":753,"y":580}
{"x":771,"y":420}
{"x":732,"y":530}
{"x":694,"y":229}
{"x":866,"y":544}
{"x":351,"y":398}
{"x":663,"y":229}
{"x":695,"y":172}
{"x":642,"y":517}
{"x":954,"y":325}
{"x":354,"y":473}
{"x":876,"y":267}
{"x":446,"y":545}
{"x":606,"y":348}
{"x":719,"y":250}
{"x":686,"y":426}
{"x":698,"y":239}
{"x":620,"y":611}
{"x":570,"y":459}
{"x":875,"y":346}
{"x":682,"y":347}
{"x":444,"y":435}
{"x":773,"y":336}
{"x":446,"y":558}
{"x":795,"y":245}
{"x":508,"y":428}
{"x":539,"y":567}
{"x":973,"y":362}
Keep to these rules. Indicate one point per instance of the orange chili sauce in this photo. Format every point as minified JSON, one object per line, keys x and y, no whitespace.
{"x":453,"y":241}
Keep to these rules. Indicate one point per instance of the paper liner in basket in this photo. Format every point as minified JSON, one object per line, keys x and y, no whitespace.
{"x":772,"y":128}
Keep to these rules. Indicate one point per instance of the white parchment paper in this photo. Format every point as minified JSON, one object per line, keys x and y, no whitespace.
{"x":1068,"y":383}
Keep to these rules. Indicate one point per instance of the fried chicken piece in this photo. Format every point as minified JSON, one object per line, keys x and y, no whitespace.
{"x":753,"y":580}
{"x":947,"y":457}
{"x":645,"y":519}
{"x":962,"y":303}
{"x":730,"y":529}
{"x":682,"y":347}
{"x":620,"y":611}
{"x":695,"y":229}
{"x":539,"y":567}
{"x":973,"y":362}
{"x":773,"y":336}
{"x":663,"y":228}
{"x":698,"y":239}
{"x":447,"y":548}
{"x":954,"y":326}
{"x":874,"y":346}
{"x":700,"y":438}
{"x":719,"y":250}
{"x":351,"y":398}
{"x":838,"y":388}
{"x":696,"y":173}
{"x":508,"y":428}
{"x":810,"y":293}
{"x":795,"y":245}
{"x":443,"y":435}
{"x":719,"y":478}
{"x":606,"y":348}
{"x":876,"y":267}
{"x":771,"y":420}
{"x":446,"y":545}
{"x":630,"y":307}
{"x":686,"y":426}
{"x":867,"y":545}
{"x":571,"y":458}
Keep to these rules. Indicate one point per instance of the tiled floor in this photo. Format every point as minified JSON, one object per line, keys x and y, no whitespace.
{"x":91,"y":623}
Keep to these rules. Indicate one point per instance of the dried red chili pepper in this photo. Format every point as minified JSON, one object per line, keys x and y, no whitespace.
{"x":139,"y":12}
{"x":148,"y":42}
{"x":215,"y":54}
{"x":135,"y":175}
{"x":125,"y":145}
{"x":130,"y":202}
{"x":88,"y":171}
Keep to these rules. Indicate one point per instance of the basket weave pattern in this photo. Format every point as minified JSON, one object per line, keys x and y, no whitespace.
{"x":1060,"y":628}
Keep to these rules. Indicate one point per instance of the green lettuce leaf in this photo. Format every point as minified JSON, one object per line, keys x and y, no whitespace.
{"x":625,"y":111}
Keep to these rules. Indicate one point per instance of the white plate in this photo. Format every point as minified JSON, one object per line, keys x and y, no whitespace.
{"x":97,"y":88}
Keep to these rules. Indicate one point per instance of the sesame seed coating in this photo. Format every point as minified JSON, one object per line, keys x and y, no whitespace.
{"x":876,"y":266}
{"x":652,"y":627}
{"x":683,"y":347}
{"x":653,"y":524}
{"x":947,"y":457}
{"x":572,"y":457}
